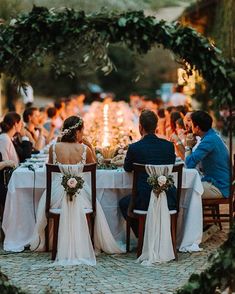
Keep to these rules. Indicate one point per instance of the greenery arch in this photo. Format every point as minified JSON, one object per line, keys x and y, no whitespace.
{"x":42,"y":33}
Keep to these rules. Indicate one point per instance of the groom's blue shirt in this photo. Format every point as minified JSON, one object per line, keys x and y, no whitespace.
{"x":213,"y":155}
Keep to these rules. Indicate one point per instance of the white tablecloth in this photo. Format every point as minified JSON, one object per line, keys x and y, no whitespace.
{"x":22,"y":200}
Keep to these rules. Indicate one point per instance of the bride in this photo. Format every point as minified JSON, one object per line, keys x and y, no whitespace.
{"x":73,"y":149}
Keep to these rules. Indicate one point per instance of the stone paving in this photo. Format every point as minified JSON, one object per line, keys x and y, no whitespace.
{"x":112,"y":274}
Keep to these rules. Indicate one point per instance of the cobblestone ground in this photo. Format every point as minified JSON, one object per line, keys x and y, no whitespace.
{"x":112,"y":274}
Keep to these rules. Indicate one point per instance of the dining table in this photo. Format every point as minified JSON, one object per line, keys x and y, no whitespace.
{"x":28,"y":183}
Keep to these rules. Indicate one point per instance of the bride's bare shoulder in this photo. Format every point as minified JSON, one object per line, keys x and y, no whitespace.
{"x":66,"y":145}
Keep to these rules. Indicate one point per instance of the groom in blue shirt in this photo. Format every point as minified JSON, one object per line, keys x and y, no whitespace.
{"x":149,"y":150}
{"x":212,"y":154}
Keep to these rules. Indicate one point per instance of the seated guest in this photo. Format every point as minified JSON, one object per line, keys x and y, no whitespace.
{"x":59,"y":105}
{"x":31,"y":118}
{"x":180,"y":130}
{"x":161,"y":129}
{"x":168,"y":112}
{"x":174,"y":136}
{"x":149,"y":150}
{"x":14,"y":148}
{"x":188,"y":122}
{"x":193,"y":139}
{"x":50,"y":124}
{"x":3,"y":190}
{"x":212,"y":154}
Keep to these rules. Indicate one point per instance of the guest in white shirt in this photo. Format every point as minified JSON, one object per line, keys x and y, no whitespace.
{"x":178,"y":97}
{"x":10,"y":125}
{"x":15,"y":147}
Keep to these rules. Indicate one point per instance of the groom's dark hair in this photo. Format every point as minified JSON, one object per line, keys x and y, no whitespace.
{"x":148,"y":120}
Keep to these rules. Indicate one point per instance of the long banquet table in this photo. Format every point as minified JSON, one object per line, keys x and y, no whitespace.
{"x":26,"y":187}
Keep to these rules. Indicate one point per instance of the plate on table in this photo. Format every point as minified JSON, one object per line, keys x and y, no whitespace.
{"x":34,"y":165}
{"x":39,"y":156}
{"x":36,"y":160}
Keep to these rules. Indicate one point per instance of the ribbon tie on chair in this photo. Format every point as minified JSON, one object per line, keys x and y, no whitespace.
{"x":157,"y":245}
{"x":74,"y":242}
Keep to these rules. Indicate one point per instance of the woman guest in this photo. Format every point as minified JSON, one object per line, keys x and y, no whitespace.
{"x":3,"y":190}
{"x":14,"y":148}
{"x":174,"y":136}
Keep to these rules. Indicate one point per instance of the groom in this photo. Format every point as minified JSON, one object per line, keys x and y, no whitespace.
{"x":148,"y":150}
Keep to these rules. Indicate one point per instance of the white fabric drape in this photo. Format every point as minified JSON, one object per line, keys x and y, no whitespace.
{"x":103,"y":238}
{"x":74,"y":242}
{"x":157,"y":245}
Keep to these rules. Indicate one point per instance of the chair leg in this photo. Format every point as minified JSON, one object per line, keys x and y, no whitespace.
{"x":92,"y":229}
{"x":218,"y":216}
{"x":173,"y":233}
{"x":128,"y":226}
{"x":215,"y":215}
{"x":47,"y":236}
{"x":55,"y":237}
{"x":91,"y":223}
{"x":141,"y":235}
{"x":231,"y":214}
{"x":88,"y":218}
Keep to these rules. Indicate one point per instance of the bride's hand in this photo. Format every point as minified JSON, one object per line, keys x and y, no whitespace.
{"x":86,"y":142}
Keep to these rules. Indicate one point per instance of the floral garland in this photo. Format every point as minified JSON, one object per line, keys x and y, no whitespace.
{"x":72,"y":185}
{"x":68,"y":130}
{"x":160,"y":183}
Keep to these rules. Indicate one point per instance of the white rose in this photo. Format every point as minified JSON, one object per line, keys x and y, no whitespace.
{"x":72,"y":182}
{"x":161,"y":180}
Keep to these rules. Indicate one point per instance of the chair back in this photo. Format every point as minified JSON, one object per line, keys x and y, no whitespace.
{"x":232,"y":192}
{"x":52,"y":168}
{"x":140,"y":168}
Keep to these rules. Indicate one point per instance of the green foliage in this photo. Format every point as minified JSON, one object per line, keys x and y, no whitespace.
{"x":220,"y":275}
{"x":30,"y":38}
{"x":6,"y":287}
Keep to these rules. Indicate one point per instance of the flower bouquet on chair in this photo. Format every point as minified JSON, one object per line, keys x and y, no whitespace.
{"x":160,"y":183}
{"x":72,"y":185}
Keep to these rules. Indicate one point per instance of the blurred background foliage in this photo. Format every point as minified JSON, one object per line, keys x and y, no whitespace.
{"x":133,"y":72}
{"x":142,"y":74}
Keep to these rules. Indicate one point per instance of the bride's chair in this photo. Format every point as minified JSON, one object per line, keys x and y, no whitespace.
{"x":141,"y":215}
{"x":52,"y":213}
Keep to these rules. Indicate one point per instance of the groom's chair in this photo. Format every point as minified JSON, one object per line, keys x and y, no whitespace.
{"x":140,"y":215}
{"x":55,"y":213}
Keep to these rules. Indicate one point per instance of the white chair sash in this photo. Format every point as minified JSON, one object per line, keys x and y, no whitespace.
{"x":157,"y":245}
{"x":74,"y":242}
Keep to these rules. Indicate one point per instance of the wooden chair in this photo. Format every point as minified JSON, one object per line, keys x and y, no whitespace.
{"x":55,"y":213}
{"x":140,"y":215}
{"x":211,"y":207}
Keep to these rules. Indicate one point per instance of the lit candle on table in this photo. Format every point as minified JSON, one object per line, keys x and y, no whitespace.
{"x":105,"y":142}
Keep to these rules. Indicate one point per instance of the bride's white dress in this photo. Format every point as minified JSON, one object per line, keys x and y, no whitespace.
{"x":75,"y":218}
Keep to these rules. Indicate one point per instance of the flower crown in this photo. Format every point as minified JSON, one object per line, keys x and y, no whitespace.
{"x":68,"y":130}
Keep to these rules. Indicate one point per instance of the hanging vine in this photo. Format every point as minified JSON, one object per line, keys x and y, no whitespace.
{"x":28,"y":39}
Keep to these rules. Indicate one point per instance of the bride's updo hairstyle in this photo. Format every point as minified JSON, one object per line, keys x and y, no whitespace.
{"x":70,"y":127}
{"x":10,"y":119}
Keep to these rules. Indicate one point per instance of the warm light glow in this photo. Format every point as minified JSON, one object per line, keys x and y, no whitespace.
{"x":105,"y":142}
